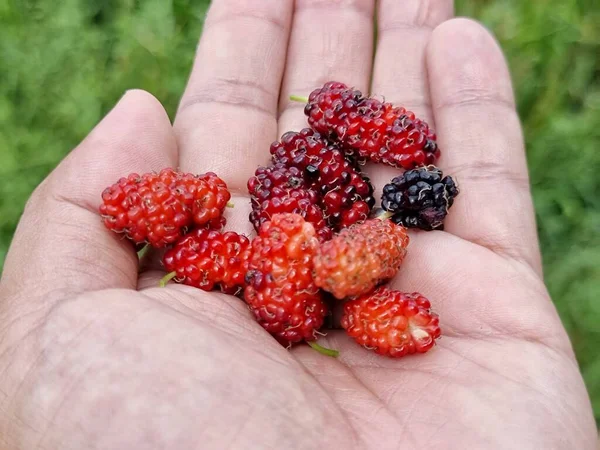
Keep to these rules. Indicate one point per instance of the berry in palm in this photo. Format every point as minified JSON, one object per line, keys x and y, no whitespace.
{"x":371,"y":129}
{"x":158,"y":208}
{"x":392,"y":323}
{"x":280,"y":290}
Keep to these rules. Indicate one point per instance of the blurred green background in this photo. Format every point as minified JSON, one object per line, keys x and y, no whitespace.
{"x":64,"y":64}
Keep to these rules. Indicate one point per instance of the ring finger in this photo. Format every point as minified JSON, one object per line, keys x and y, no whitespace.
{"x":400,"y":74}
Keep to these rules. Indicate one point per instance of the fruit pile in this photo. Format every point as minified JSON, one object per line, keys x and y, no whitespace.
{"x":318,"y":240}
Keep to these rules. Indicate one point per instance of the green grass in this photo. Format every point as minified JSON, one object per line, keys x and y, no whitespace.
{"x":64,"y":64}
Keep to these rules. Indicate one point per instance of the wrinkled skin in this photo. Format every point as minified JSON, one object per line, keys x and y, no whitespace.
{"x":94,"y":356}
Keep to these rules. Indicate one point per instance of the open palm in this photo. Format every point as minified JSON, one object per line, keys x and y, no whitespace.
{"x":93,"y":355}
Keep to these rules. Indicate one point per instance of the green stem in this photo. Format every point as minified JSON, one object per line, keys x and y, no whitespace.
{"x":384,"y":215}
{"x":230,"y":204}
{"x":142,"y":252}
{"x":165,"y":280}
{"x":323,"y":350}
{"x":298,"y":98}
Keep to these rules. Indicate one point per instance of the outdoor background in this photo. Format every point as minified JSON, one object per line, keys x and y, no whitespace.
{"x":63,"y":64}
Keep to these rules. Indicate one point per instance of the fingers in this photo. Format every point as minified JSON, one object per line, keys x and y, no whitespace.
{"x":481,"y":141}
{"x":400,"y":75}
{"x":330,"y":41}
{"x":61,"y":243}
{"x":227,"y":117}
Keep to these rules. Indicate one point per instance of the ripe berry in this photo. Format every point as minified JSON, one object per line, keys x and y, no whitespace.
{"x":322,"y":164}
{"x":371,"y":129}
{"x":420,"y":198}
{"x":206,"y":258}
{"x":339,"y":184}
{"x":392,"y":323}
{"x":360,"y":257}
{"x":158,"y":207}
{"x":279,"y":189}
{"x":217,"y":224}
{"x":330,"y":107}
{"x":279,"y":286}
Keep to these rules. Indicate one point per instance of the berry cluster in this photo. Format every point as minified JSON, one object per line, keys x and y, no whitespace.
{"x":316,"y":240}
{"x":313,"y":178}
{"x":279,"y":189}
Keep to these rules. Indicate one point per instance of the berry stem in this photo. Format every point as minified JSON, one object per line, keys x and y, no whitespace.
{"x":143,"y":251}
{"x":230,"y":204}
{"x":165,"y":280}
{"x":323,"y":350}
{"x":298,"y":98}
{"x":385,"y":215}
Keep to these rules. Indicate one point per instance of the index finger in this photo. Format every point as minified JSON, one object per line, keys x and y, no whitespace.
{"x":227,"y":118}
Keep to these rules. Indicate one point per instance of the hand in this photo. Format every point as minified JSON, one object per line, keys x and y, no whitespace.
{"x":93,"y":355}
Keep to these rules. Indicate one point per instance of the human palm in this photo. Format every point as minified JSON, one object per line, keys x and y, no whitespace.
{"x":94,"y":355}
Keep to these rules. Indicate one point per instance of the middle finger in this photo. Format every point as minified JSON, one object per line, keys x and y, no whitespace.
{"x":330,"y":41}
